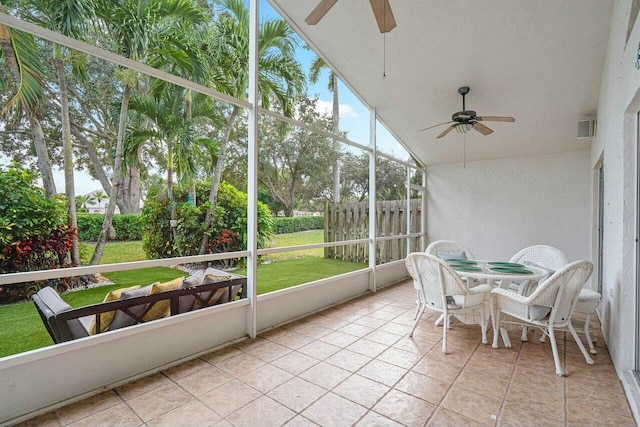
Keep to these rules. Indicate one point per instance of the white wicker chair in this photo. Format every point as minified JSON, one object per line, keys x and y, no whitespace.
{"x":554,"y":259}
{"x":434,"y":280}
{"x":557,"y":296}
{"x":439,"y":248}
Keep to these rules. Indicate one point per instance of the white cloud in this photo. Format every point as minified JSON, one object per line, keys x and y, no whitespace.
{"x":346,"y":111}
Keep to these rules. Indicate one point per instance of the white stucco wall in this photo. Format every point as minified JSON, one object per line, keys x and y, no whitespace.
{"x":497,"y":207}
{"x":616,"y":144}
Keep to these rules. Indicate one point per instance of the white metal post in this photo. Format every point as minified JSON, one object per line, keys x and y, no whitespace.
{"x":372,"y":200}
{"x":423,"y":216}
{"x":408,"y":215}
{"x":252,"y":171}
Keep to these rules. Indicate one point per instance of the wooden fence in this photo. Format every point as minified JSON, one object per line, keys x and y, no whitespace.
{"x":350,"y":221}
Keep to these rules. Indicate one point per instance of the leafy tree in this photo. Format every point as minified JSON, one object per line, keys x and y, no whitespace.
{"x":136,"y":28}
{"x":391,"y":178}
{"x":293,"y":162}
{"x":280,"y":75}
{"x":68,"y":17}
{"x":21,"y":53}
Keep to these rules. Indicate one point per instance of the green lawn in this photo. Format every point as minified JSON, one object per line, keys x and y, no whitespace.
{"x":117,"y":252}
{"x":132,"y":251}
{"x":21,"y":328}
{"x":296,"y":239}
{"x":292,"y":272}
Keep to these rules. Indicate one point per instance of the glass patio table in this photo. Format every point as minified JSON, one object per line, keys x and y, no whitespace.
{"x":497,"y":273}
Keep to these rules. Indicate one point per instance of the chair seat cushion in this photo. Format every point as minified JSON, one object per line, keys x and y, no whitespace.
{"x":537,"y":312}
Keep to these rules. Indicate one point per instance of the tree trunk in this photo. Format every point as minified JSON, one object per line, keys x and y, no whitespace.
{"x":98,"y":169}
{"x":117,"y":178}
{"x":172,"y":199}
{"x":216,"y":180}
{"x":129,"y":197}
{"x":69,"y":186}
{"x":188,"y":107}
{"x":335,"y":119}
{"x":42,"y":153}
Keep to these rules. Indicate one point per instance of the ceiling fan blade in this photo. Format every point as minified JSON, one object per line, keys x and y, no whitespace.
{"x":318,"y":13}
{"x":496,"y":119}
{"x":446,"y":131}
{"x":435,"y":126}
{"x":482,"y":129}
{"x":384,"y":15}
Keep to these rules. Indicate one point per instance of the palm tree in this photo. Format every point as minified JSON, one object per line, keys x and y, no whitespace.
{"x":317,"y":66}
{"x":280,"y":76}
{"x":100,"y":196}
{"x":68,"y":17}
{"x":172,"y":115}
{"x":21,"y":53}
{"x":137,"y":29}
{"x":81,"y":201}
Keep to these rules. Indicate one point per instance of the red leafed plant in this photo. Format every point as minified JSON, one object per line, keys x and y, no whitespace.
{"x":33,"y":254}
{"x":225,"y":241}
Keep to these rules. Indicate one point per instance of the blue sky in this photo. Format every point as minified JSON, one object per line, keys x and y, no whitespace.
{"x":354,"y":117}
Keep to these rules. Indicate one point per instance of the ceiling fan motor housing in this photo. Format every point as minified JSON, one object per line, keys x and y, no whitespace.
{"x":464,"y":116}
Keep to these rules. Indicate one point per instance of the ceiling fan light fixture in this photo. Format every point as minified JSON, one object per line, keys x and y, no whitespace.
{"x":464,"y":127}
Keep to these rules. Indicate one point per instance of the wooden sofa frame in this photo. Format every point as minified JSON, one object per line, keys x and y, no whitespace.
{"x":66,"y":325}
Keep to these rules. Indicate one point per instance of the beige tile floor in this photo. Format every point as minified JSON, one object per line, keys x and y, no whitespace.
{"x":355,"y":364}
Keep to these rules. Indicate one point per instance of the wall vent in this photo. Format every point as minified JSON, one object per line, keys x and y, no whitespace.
{"x":586,"y":128}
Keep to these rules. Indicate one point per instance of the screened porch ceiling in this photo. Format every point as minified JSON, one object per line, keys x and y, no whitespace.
{"x":540,"y":62}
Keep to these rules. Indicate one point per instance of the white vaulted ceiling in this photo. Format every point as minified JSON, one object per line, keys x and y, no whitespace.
{"x":538,"y":61}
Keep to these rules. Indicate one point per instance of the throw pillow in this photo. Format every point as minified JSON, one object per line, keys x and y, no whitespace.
{"x":540,"y":266}
{"x":121,"y":318}
{"x":212,"y":275}
{"x":107,"y":318}
{"x":162,"y":308}
{"x":452,"y":255}
{"x":194,"y":280}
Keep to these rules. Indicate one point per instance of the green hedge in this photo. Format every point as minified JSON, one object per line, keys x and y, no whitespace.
{"x":127,"y":226}
{"x":295,"y":224}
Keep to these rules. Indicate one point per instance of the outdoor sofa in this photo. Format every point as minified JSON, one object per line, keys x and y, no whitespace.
{"x":130,"y":306}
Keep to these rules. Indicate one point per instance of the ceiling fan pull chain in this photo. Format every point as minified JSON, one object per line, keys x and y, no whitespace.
{"x":464,"y":151}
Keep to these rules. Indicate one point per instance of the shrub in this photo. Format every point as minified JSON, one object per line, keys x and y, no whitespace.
{"x":295,"y":224}
{"x":228,"y":228}
{"x":127,"y":226}
{"x":33,"y":233}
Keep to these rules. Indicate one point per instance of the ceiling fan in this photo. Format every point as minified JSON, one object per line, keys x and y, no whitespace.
{"x":381,"y":10}
{"x":465,"y":120}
